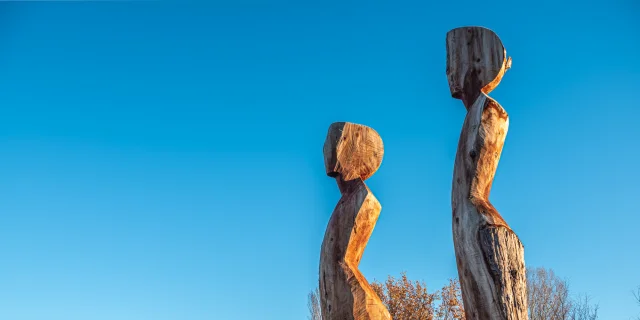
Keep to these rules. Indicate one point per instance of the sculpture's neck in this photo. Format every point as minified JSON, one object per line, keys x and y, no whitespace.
{"x":469,"y":98}
{"x":348,"y":186}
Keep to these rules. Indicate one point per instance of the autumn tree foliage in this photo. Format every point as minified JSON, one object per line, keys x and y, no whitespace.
{"x":548,"y":299}
{"x":410,"y":300}
{"x":405,"y":299}
{"x":451,"y":306}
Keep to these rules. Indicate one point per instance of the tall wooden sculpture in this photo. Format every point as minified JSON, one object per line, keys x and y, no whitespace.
{"x":489,"y":255}
{"x":352,"y":153}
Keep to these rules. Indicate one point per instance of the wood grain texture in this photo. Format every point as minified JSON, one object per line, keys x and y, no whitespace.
{"x":352,"y":150}
{"x":352,"y":154}
{"x":489,"y":255}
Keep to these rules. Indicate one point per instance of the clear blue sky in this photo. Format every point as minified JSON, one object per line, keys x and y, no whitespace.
{"x":163,"y":160}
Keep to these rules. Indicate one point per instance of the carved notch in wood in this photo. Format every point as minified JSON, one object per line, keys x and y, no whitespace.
{"x":352,"y":153}
{"x":489,"y":255}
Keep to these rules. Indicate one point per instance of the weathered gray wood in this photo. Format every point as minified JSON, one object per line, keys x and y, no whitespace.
{"x":352,"y":154}
{"x":489,"y":255}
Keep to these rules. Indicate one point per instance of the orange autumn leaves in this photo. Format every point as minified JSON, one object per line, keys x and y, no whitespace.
{"x":406,"y":299}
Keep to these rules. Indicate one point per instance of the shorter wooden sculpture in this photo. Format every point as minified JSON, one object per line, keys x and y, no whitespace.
{"x":352,"y":153}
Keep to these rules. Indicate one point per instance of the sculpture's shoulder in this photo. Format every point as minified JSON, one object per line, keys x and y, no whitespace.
{"x":363,"y":199}
{"x":493,"y":109}
{"x":484,"y":115}
{"x":354,"y":192}
{"x":371,"y":201}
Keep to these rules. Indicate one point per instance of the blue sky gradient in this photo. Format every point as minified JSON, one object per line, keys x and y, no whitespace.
{"x":163,"y":160}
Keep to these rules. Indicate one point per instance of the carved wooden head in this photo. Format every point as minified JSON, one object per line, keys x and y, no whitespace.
{"x":352,"y":151}
{"x":476,"y":61}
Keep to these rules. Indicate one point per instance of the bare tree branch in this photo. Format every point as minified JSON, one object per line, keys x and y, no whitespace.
{"x":313,"y":302}
{"x":548,"y":298}
{"x":583,"y":310}
{"x":636,"y":294}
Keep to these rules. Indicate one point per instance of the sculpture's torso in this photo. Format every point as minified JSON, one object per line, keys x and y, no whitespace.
{"x":483,"y":134}
{"x":477,"y":224}
{"x":345,"y":293}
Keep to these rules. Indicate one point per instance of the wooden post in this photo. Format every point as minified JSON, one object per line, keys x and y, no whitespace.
{"x":352,"y":153}
{"x":489,"y":255}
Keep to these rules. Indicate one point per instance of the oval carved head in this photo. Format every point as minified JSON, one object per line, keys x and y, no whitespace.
{"x":476,"y":61}
{"x":352,"y":151}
